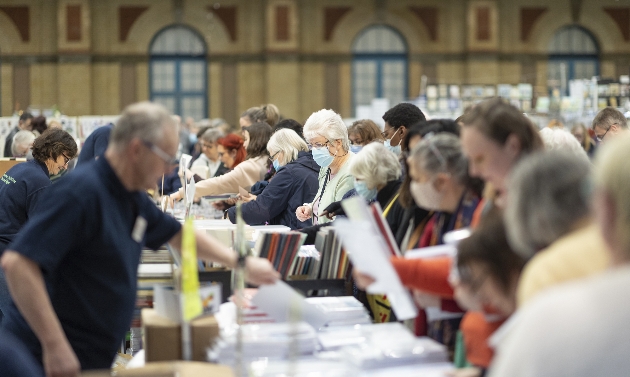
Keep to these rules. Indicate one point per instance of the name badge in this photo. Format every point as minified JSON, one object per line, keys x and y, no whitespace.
{"x":138,"y":229}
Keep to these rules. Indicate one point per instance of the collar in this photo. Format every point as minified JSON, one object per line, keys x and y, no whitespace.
{"x":386,"y":193}
{"x":110,"y":179}
{"x":42,"y":166}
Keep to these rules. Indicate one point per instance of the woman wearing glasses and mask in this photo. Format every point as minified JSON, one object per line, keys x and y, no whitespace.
{"x":328,"y":137}
{"x":294,"y":183}
{"x":22,"y":186}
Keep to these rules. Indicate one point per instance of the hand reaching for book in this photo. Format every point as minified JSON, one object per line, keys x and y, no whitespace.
{"x":260,"y":271}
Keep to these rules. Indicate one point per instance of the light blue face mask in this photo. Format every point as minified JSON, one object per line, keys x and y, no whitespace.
{"x":322,"y":157}
{"x":361,"y":188}
{"x":388,"y":144}
{"x":192,"y":138}
{"x":276,"y":165}
{"x":354,"y":148}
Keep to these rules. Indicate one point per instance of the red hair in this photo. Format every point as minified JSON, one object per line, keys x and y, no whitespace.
{"x":232,"y":142}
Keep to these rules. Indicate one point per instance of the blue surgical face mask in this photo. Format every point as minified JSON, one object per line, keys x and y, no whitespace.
{"x":276,"y":165}
{"x":322,"y":157}
{"x":361,"y":188}
{"x":192,"y":138}
{"x":388,"y":144}
{"x":355,"y":148}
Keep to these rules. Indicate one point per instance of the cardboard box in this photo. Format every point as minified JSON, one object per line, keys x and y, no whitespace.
{"x":169,"y":369}
{"x":7,"y":163}
{"x":162,"y":337}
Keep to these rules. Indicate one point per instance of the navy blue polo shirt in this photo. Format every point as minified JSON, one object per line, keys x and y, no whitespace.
{"x":81,"y":237}
{"x":20,"y":189}
{"x":95,"y":144}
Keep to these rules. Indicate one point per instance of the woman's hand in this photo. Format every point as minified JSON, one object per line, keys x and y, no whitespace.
{"x":247,"y":198}
{"x":304,"y":213}
{"x":176,"y":196}
{"x":260,"y":271}
{"x":426,"y":300}
{"x":361,"y":280}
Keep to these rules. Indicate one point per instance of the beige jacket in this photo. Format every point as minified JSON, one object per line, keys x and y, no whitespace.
{"x":243,"y":175}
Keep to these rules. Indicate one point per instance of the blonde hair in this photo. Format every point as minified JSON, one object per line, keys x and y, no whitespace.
{"x":288,"y":142}
{"x":612,"y":175}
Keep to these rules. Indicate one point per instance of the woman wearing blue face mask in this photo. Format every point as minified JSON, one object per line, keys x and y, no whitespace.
{"x":361,"y":133}
{"x":294,"y":183}
{"x":377,"y":178}
{"x":328,"y":136}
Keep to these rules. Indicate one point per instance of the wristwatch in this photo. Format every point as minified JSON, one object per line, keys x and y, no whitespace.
{"x":240,"y":262}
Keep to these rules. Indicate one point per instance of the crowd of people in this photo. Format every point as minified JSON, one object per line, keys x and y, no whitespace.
{"x":521,"y":297}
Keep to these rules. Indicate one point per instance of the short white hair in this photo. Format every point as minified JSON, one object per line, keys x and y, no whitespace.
{"x":375,"y":165}
{"x":328,"y":124}
{"x":548,"y":192}
{"x":143,"y":120}
{"x":22,"y":138}
{"x":288,"y":142}
{"x":559,"y":139}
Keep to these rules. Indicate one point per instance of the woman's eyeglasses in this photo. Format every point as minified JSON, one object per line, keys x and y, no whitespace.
{"x":273,"y":157}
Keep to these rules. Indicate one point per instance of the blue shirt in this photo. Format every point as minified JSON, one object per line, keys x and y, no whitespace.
{"x":20,"y":189}
{"x":81,"y":237}
{"x":95,"y":144}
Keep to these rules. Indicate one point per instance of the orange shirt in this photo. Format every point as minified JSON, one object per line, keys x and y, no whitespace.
{"x":428,"y":275}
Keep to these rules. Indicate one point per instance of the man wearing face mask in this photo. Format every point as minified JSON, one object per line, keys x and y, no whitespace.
{"x":397,"y":120}
{"x":327,"y":135}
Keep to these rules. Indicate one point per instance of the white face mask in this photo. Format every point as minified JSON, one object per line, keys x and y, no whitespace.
{"x":426,"y":196}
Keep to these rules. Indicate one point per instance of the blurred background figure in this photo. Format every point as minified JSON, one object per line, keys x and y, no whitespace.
{"x":24,"y":123}
{"x":208,"y":160}
{"x":22,"y":143}
{"x":581,"y":134}
{"x":38,"y":125}
{"x":361,"y":133}
{"x":609,"y":124}
{"x":268,"y":113}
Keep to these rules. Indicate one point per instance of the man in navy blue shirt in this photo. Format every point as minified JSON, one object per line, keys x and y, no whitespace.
{"x":72,"y":271}
{"x":96,"y":144}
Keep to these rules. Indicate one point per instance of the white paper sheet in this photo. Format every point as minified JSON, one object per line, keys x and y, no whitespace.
{"x":190,"y":191}
{"x":276,"y":300}
{"x":368,"y":253}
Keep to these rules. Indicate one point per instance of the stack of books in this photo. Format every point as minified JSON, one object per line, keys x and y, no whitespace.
{"x":341,"y":311}
{"x":265,"y":340}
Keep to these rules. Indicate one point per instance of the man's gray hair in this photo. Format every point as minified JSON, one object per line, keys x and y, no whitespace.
{"x":22,"y":138}
{"x":442,"y":153}
{"x":328,"y":124}
{"x":609,"y":116}
{"x":143,"y":120}
{"x":548,"y":193}
{"x":559,"y":139}
{"x":212,"y":135}
{"x":375,"y":165}
{"x":288,"y":142}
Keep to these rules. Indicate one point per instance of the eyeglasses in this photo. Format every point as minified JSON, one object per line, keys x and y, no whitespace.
{"x":168,"y":160}
{"x":601,"y":138}
{"x":206,"y":145}
{"x":318,"y":145}
{"x":272,"y":157}
{"x":66,"y":159}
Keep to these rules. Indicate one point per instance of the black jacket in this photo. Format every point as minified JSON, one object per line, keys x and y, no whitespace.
{"x":295,"y":184}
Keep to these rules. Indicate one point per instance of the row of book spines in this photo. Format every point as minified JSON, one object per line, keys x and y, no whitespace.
{"x":281,"y":249}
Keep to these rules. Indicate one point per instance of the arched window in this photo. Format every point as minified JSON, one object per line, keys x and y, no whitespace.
{"x":178,"y":72}
{"x":379,"y":66}
{"x":573,"y":54}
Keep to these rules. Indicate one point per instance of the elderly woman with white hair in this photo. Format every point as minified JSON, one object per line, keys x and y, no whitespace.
{"x":295,"y":182}
{"x":549,"y":221}
{"x":376,"y":172}
{"x":22,"y":143}
{"x":328,"y":137}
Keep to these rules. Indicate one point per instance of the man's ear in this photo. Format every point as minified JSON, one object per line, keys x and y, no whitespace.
{"x":135,"y":149}
{"x":513,"y":145}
